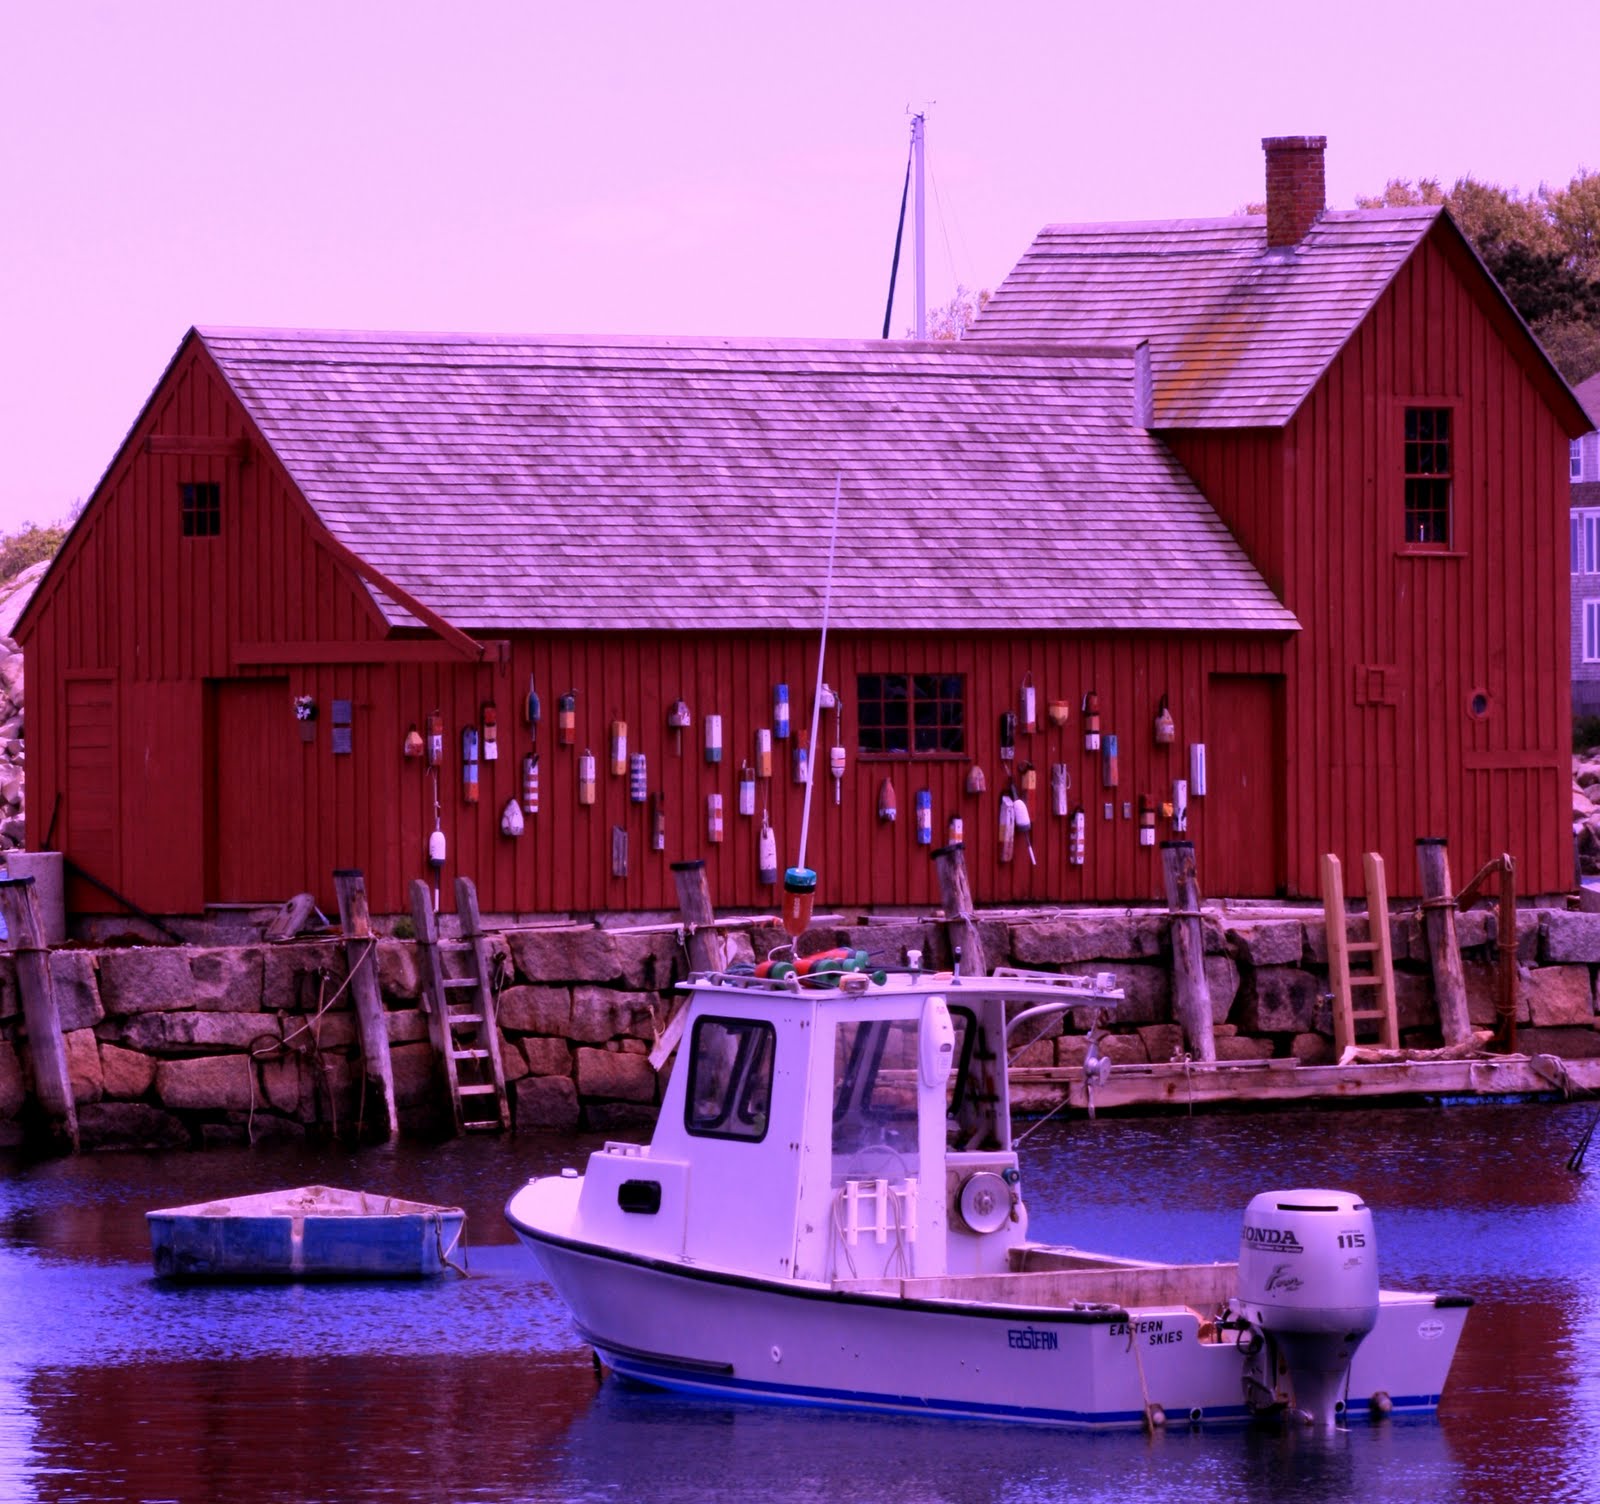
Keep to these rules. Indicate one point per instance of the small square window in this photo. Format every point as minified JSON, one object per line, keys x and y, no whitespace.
{"x":730,"y":1078}
{"x":202,"y":508}
{"x":921,"y":715}
{"x":1429,"y":475}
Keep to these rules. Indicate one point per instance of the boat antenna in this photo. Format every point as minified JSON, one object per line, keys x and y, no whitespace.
{"x":799,"y":881}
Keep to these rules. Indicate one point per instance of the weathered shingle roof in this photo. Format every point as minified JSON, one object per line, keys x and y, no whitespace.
{"x":1238,"y":334}
{"x":546,"y":483}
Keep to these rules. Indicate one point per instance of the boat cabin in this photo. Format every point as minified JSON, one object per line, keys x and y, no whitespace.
{"x":851,"y":1130}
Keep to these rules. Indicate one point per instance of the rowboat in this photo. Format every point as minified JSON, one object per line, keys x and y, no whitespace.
{"x":312,"y":1232}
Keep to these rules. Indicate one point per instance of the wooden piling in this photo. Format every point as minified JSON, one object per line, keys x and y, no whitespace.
{"x":1439,"y":928}
{"x":1191,"y":992}
{"x":707,"y":951}
{"x":955,"y":898}
{"x":47,"y":1049}
{"x":361,"y":960}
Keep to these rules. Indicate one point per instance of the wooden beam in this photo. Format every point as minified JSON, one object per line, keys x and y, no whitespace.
{"x":707,"y":950}
{"x":955,"y":898}
{"x":361,"y":958}
{"x":380,"y":650}
{"x":1439,"y":927}
{"x":1191,"y":992}
{"x":47,"y":1049}
{"x":202,"y":445}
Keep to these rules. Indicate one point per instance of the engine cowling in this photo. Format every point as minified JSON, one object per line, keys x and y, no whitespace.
{"x":1308,"y":1277}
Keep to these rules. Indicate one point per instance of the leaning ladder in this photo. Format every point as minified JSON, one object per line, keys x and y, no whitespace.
{"x":1380,"y":980}
{"x":461,"y":1010}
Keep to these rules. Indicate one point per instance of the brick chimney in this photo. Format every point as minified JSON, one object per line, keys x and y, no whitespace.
{"x":1296,"y":191}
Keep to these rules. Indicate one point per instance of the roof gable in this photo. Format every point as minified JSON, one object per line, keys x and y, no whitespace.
{"x":670,"y":484}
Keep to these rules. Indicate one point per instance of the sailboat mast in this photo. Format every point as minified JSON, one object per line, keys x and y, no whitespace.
{"x":917,"y":126}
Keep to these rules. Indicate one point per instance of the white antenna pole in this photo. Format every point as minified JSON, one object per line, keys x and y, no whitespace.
{"x":816,"y":693}
{"x":917,"y":125}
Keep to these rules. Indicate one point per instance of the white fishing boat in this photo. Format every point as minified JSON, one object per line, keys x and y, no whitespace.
{"x":831,"y":1211}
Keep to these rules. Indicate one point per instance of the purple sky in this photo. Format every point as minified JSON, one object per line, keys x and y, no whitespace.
{"x":684,"y":168}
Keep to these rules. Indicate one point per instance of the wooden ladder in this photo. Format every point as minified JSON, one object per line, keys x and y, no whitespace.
{"x":1346,"y":1017}
{"x":461,"y":1011}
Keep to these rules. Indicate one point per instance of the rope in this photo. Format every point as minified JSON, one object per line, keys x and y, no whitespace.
{"x":444,"y":1253}
{"x":1144,"y":1388}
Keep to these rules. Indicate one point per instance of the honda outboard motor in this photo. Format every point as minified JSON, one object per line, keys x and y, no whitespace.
{"x":1308,"y":1278}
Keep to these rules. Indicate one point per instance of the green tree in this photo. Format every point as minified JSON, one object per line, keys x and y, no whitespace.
{"x":952,"y":320}
{"x":29,"y":544}
{"x":1543,"y":247}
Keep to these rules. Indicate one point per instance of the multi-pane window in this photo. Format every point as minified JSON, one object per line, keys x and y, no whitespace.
{"x":202,"y":508}
{"x":730,"y":1078}
{"x":918,"y":714}
{"x":1577,"y":459}
{"x":1591,"y":631}
{"x":1585,"y":527}
{"x":1428,"y":476}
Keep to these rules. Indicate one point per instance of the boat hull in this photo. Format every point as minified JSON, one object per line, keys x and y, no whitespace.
{"x":716,"y":1333}
{"x":312,"y":1233}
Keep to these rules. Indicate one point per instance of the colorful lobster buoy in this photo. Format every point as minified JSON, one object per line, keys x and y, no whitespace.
{"x":713,"y":738}
{"x":836,"y":765}
{"x":1165,"y":730}
{"x":800,"y":760}
{"x":491,"y":734}
{"x":1060,"y":712}
{"x":714,"y":819}
{"x":678,"y":721}
{"x":619,"y":851}
{"x":1008,"y":735}
{"x":826,"y":698}
{"x":1147,"y":821}
{"x":1029,"y":711}
{"x":1008,"y":828}
{"x":1110,"y":773}
{"x":638,"y":779}
{"x":1060,"y":783}
{"x":413,"y":743}
{"x":766,"y":854}
{"x":1022,"y":818}
{"x":886,"y":805}
{"x":764,"y":753}
{"x":532,"y":710}
{"x":586,"y":777}
{"x":747,"y":789}
{"x":511,"y":819}
{"x":1180,"y":804}
{"x":619,"y":749}
{"x":1197,"y":770}
{"x":1027,"y":777}
{"x":955,"y":831}
{"x":976,"y":782}
{"x":780,"y":712}
{"x":799,"y":894}
{"x":658,"y":822}
{"x":469,"y":764}
{"x":435,"y":739}
{"x":1077,"y":829}
{"x":1091,"y":722}
{"x":567,"y":718}
{"x":530,"y":783}
{"x":924,"y":817}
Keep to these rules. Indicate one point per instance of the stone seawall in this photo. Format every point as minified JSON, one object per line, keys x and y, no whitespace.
{"x":197,"y":1045}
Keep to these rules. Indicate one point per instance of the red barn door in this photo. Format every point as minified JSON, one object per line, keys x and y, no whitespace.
{"x":255,"y":830}
{"x":1244,"y":851}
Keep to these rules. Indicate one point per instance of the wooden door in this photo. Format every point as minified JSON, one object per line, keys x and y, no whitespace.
{"x":90,"y":809}
{"x":1243,"y":851}
{"x":256,"y":848}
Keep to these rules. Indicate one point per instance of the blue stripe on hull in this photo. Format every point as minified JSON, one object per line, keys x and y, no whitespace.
{"x":730,"y":1387}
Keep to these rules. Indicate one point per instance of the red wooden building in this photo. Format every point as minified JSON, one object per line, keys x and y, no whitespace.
{"x":1305,"y":482}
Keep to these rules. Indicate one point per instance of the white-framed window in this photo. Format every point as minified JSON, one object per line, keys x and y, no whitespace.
{"x":1591,"y":631}
{"x":1585,"y":527}
{"x":1577,"y":459}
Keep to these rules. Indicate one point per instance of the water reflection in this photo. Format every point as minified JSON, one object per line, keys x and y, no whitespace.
{"x":113,"y":1387}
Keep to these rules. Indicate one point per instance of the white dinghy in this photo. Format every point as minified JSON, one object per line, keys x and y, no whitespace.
{"x":831,"y":1212}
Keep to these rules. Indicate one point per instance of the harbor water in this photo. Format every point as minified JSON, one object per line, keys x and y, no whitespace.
{"x":114,"y":1387}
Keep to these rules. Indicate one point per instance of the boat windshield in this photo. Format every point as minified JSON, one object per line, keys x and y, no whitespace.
{"x":875,"y":1094}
